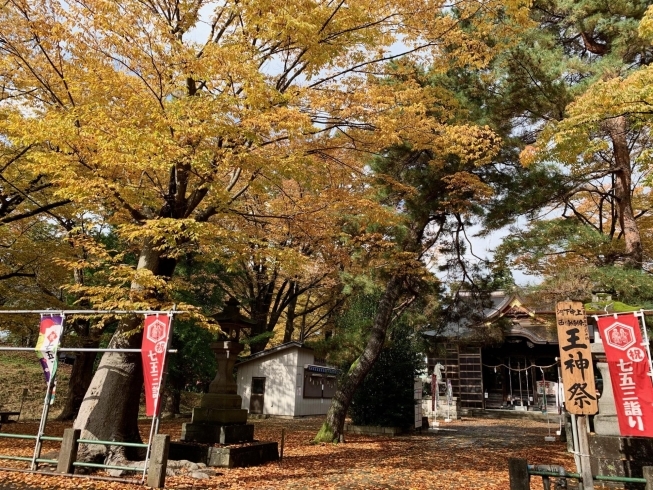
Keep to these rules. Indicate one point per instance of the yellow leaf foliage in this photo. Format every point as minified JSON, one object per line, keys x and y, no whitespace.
{"x":179,"y":122}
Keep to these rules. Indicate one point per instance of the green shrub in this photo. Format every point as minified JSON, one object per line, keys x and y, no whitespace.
{"x":385,"y":397}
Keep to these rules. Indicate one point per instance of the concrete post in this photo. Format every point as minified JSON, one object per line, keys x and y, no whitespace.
{"x":605,"y":422}
{"x":648,"y":475}
{"x":68,"y":451}
{"x":156,"y":472}
{"x":519,"y":477}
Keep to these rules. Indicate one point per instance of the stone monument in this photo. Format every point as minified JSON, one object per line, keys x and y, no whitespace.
{"x":218,"y":433}
{"x":605,"y":422}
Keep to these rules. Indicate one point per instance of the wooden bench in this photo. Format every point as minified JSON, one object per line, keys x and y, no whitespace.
{"x":4,"y":416}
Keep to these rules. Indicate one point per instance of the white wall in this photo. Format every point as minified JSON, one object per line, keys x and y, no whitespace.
{"x":284,"y":389}
{"x":279,"y":370}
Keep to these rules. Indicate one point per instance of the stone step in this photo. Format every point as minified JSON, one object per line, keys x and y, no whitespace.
{"x":221,"y":401}
{"x":237,"y":455}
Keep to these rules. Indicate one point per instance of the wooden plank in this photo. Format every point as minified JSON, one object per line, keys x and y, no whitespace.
{"x":576,"y":358}
{"x":519,"y":477}
{"x":584,"y":449}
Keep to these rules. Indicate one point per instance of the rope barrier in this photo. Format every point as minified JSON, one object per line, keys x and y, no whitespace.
{"x":521,"y":369}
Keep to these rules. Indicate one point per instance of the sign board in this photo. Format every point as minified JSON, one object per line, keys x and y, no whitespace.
{"x":153,"y":352}
{"x":629,"y":373}
{"x":576,"y":359}
{"x":418,"y":387}
{"x":547,"y":387}
{"x":418,"y":415}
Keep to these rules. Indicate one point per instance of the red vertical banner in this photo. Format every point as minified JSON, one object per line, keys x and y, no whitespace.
{"x":629,"y":368}
{"x":153,"y":352}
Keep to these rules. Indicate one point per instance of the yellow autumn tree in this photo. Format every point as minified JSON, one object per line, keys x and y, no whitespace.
{"x":163,"y":115}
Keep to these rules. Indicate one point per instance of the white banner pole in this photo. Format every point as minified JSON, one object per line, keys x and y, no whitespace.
{"x":646,"y":345}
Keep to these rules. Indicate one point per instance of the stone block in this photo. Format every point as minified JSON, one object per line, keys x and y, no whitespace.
{"x":606,"y":425}
{"x":620,"y":456}
{"x":200,"y":432}
{"x":626,"y":448}
{"x":371,"y":430}
{"x":219,"y":417}
{"x":156,"y":472}
{"x":605,"y":422}
{"x":238,"y":455}
{"x":68,"y":451}
{"x":221,"y":402}
{"x":648,"y":474}
{"x":230,"y":434}
{"x":181,"y":450}
{"x":223,"y":434}
{"x":244,"y":455}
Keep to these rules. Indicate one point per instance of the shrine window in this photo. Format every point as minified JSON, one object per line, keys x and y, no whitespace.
{"x":319,"y":381}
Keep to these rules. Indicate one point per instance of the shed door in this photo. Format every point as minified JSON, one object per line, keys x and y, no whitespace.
{"x":258,"y":391}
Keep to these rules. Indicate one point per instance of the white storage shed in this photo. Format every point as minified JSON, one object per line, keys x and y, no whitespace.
{"x":285,"y":381}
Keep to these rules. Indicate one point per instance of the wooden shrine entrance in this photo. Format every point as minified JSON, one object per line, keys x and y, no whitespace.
{"x":499,"y":377}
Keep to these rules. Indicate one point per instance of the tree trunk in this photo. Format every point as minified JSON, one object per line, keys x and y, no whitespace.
{"x":290,"y":314}
{"x":616,"y":129}
{"x":110,"y":408}
{"x":80,"y":379}
{"x":171,"y":402}
{"x":335,"y":419}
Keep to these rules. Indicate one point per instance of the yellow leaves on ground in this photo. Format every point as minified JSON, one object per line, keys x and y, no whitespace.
{"x":469,"y":454}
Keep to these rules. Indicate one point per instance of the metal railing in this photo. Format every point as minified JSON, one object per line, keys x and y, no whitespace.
{"x":40,"y":437}
{"x":532,"y":470}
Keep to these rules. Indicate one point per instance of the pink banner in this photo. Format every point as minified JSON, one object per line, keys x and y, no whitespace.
{"x":629,"y":367}
{"x":153,"y":353}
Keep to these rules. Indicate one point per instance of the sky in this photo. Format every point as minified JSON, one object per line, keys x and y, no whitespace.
{"x":484,"y":247}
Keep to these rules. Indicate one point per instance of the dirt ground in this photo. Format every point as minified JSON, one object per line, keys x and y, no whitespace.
{"x":464,"y":454}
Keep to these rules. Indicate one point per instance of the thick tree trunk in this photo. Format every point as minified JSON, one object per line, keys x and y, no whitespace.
{"x":110,"y":408}
{"x":335,"y":419}
{"x":616,"y":129}
{"x":80,"y":379}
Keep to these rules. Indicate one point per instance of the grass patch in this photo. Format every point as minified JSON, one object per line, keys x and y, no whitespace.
{"x":20,"y":370}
